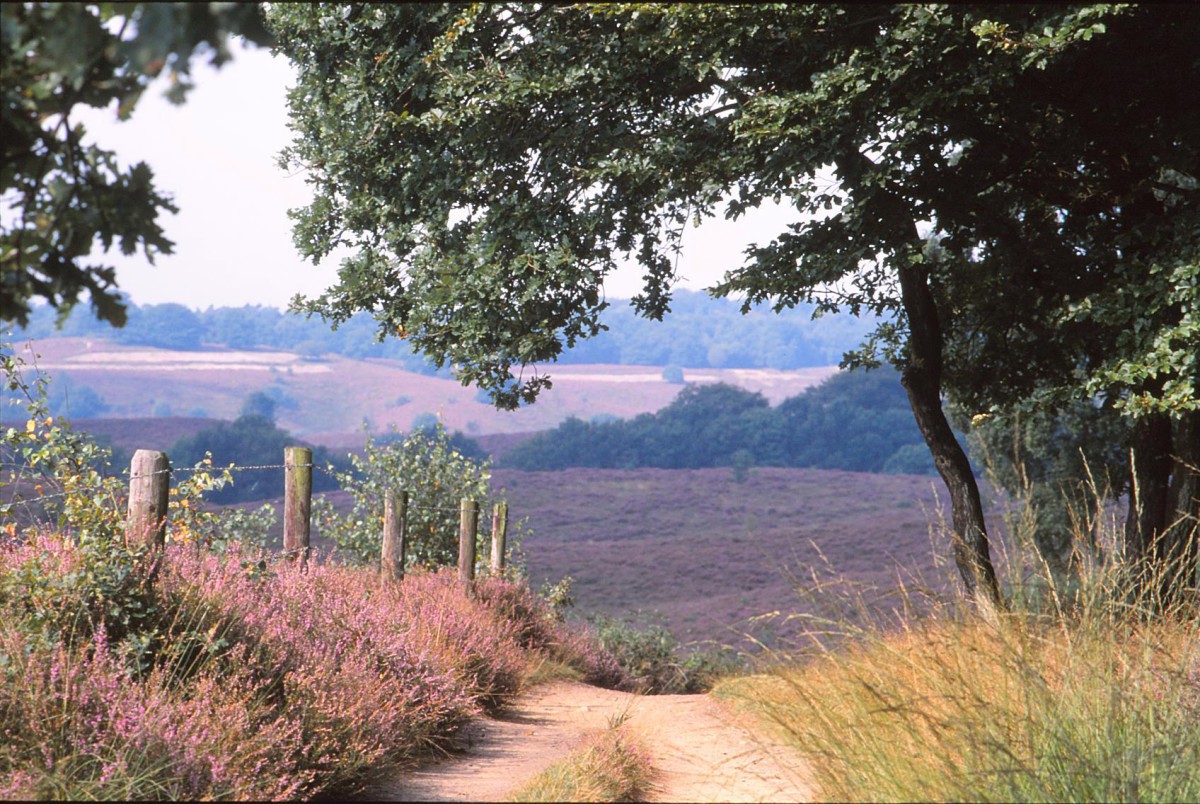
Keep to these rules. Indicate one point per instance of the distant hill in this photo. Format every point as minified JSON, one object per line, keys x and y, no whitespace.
{"x":327,"y":399}
{"x":143,"y":433}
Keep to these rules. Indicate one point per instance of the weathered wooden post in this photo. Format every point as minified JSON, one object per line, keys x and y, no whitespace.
{"x":297,"y":502}
{"x":149,"y":483}
{"x":395,"y":522}
{"x":468,"y":528}
{"x":499,"y":536}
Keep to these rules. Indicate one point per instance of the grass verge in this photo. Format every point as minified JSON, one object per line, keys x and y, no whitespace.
{"x":611,"y":766}
{"x":1080,"y":692}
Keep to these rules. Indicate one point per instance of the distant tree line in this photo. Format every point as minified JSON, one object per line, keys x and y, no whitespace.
{"x":857,"y":421}
{"x":702,"y":332}
{"x":253,"y":439}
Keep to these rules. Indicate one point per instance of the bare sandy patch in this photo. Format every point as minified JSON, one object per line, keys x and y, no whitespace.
{"x":169,"y":360}
{"x":626,"y":378}
{"x":700,"y":752}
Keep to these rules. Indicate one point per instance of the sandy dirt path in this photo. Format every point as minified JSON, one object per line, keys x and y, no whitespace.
{"x":699,"y":751}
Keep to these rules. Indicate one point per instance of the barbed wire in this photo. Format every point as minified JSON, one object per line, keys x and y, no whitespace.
{"x":104,"y":485}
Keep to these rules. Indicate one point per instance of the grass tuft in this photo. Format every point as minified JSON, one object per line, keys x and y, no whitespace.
{"x":611,"y":766}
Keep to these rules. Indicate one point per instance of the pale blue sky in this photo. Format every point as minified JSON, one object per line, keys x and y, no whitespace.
{"x":216,"y":155}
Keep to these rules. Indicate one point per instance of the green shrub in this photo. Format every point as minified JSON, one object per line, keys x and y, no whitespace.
{"x":437,"y":478}
{"x":651,"y":656}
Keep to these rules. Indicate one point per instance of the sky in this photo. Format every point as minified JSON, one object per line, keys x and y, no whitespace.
{"x":216,"y":155}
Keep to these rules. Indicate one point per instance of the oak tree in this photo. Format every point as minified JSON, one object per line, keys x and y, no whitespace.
{"x":1012,"y":188}
{"x":65,"y":195}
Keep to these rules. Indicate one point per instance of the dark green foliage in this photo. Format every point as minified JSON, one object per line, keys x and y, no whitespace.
{"x":457,"y":441}
{"x":854,"y":420}
{"x":857,"y":420}
{"x":68,"y":398}
{"x":111,"y":590}
{"x":911,"y":459}
{"x":69,"y":196}
{"x":250,"y":440}
{"x":742,"y":461}
{"x":703,"y":331}
{"x":261,"y":405}
{"x":653,"y":659}
{"x":436,"y":476}
{"x":1059,"y":463}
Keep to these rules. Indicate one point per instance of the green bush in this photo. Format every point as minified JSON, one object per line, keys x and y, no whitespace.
{"x":651,"y":656}
{"x":436,"y":475}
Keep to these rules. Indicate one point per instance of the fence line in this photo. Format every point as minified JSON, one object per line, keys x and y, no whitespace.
{"x":148,"y":511}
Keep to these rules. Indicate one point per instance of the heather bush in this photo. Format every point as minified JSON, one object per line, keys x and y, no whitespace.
{"x":58,"y":593}
{"x":209,"y":670}
{"x":77,"y":726}
{"x":436,"y":475}
{"x":273,"y":684}
{"x":541,"y":625}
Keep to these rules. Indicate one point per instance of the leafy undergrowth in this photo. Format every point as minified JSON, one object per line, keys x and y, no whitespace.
{"x":202,"y":676}
{"x":1086,"y":706}
{"x":655,"y":663}
{"x":612,"y":765}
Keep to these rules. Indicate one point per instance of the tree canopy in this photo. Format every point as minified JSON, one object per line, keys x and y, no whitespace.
{"x":68,"y":195}
{"x":1012,"y":188}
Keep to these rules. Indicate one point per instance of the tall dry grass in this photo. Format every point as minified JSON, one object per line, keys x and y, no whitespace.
{"x":1081,"y":690}
{"x":611,"y":765}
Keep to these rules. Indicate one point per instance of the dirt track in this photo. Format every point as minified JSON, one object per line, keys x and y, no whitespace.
{"x":699,"y":751}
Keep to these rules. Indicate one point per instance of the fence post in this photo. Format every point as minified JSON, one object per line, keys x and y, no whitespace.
{"x":499,"y":536}
{"x":468,"y":528}
{"x":149,"y":481}
{"x":395,"y":521}
{"x":297,"y":502}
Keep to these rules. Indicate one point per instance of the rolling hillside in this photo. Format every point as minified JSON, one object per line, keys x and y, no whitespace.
{"x":326,"y":399}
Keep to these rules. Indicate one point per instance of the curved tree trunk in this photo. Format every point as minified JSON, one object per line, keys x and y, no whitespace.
{"x":922,"y":379}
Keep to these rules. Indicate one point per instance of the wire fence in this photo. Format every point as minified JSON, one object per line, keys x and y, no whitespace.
{"x":12,"y":476}
{"x":22,"y":511}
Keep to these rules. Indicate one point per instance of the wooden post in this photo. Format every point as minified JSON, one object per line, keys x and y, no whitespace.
{"x":297,"y":502}
{"x":149,"y":482}
{"x":499,"y":536}
{"x":395,"y":520}
{"x":468,"y":528}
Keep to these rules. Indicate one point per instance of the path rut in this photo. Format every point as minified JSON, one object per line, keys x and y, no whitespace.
{"x":699,"y":750}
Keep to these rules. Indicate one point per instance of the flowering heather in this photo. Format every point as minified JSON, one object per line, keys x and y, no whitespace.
{"x":241,"y":681}
{"x":538,"y":628}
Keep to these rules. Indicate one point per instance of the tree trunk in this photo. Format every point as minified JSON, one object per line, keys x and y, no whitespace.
{"x":1146,"y":521}
{"x":1181,"y":541}
{"x":922,"y":379}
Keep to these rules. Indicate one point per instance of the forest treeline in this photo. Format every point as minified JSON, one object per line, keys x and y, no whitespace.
{"x":857,"y":420}
{"x":701,"y":332}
